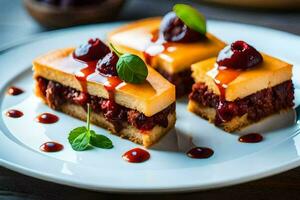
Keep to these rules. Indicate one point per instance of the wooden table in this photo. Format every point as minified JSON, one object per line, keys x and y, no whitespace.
{"x":15,"y":24}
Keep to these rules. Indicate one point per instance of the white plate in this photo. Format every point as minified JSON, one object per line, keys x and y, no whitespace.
{"x":169,"y":169}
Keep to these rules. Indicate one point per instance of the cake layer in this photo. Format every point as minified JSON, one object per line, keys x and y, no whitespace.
{"x":269,"y":73}
{"x":149,"y":98}
{"x":121,"y":121}
{"x":208,"y":113}
{"x":171,"y":57}
{"x":241,"y":112}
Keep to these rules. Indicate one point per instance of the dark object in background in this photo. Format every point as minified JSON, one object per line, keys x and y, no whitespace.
{"x":64,"y":13}
{"x":68,"y":3}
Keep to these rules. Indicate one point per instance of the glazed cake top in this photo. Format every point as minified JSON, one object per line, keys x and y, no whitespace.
{"x":136,"y":38}
{"x":150,"y":97}
{"x":269,"y":73}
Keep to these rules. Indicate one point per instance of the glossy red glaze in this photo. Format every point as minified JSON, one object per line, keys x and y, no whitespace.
{"x":51,"y":147}
{"x":82,"y":75}
{"x":14,"y":113}
{"x":136,"y":155}
{"x":200,"y":152}
{"x":47,"y":118}
{"x":224,"y":77}
{"x":111,"y":84}
{"x":251,"y":138}
{"x":148,"y":58}
{"x":14,"y":91}
{"x":159,"y":44}
{"x":155,"y":35}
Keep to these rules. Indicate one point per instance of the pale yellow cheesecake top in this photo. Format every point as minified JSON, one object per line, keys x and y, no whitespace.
{"x":136,"y":38}
{"x":269,"y":73}
{"x":150,"y":97}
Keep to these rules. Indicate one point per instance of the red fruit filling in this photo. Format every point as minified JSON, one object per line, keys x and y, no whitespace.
{"x":57,"y":95}
{"x":239,"y":55}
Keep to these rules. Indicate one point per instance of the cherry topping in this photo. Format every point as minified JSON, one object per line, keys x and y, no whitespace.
{"x":107,"y":66}
{"x":239,"y":55}
{"x":174,"y":30}
{"x":95,"y":49}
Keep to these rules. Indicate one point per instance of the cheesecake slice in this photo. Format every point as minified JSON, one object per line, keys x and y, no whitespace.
{"x":142,"y":113}
{"x":233,"y":98}
{"x":171,"y":59}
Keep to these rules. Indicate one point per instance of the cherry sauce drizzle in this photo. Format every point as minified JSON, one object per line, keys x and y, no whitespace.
{"x":251,"y":138}
{"x":200,"y":152}
{"x":51,"y":147}
{"x":14,"y":91}
{"x":136,"y":155}
{"x":14,"y":113}
{"x":47,"y":118}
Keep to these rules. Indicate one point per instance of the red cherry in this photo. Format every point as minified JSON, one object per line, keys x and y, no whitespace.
{"x":107,"y":66}
{"x":174,"y":30}
{"x":95,"y":49}
{"x":239,"y":55}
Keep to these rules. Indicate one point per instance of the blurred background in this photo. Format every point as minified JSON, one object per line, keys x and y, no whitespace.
{"x":23,"y":18}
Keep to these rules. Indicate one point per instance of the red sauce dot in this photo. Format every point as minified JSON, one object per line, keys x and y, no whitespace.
{"x":200,"y":152}
{"x":14,"y":91}
{"x":51,"y":147}
{"x":47,"y":118}
{"x":14,"y":113}
{"x":251,"y":138}
{"x":136,"y":155}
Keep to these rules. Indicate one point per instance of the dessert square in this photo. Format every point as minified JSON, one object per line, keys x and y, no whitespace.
{"x":143,"y":113}
{"x":234,"y":98}
{"x":171,"y":59}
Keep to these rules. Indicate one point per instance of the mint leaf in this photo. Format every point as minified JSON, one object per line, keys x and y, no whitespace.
{"x":81,"y":138}
{"x":75,"y":133}
{"x":100,"y":141}
{"x":131,"y":68}
{"x":81,"y":142}
{"x":191,"y":17}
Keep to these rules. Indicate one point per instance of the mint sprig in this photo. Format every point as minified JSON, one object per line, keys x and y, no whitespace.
{"x":191,"y":17}
{"x":81,"y":138}
{"x":131,"y":68}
